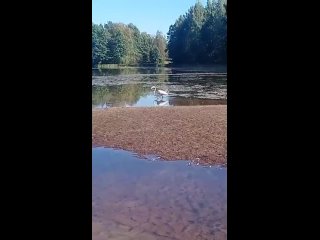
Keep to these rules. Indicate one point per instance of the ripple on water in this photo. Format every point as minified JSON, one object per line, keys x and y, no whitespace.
{"x":187,"y":88}
{"x":136,"y":198}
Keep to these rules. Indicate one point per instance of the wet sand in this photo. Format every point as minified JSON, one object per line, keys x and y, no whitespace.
{"x":188,"y":133}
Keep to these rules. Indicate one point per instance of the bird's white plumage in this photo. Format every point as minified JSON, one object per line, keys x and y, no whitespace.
{"x":159,"y":91}
{"x":162,"y":92}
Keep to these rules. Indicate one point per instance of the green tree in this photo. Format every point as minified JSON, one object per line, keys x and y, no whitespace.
{"x":200,"y":36}
{"x":118,"y":43}
{"x":144,"y":48}
{"x":160,"y":46}
{"x":99,"y":45}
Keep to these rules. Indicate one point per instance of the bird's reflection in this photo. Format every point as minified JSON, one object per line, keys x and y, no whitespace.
{"x":160,"y":102}
{"x":105,"y":105}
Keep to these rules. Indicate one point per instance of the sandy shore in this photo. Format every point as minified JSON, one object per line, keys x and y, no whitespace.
{"x":173,"y":133}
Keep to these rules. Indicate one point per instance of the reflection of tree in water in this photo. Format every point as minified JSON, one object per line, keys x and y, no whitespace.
{"x":119,"y":95}
{"x":128,"y":71}
{"x":182,"y":101}
{"x":98,"y":95}
{"x":160,"y":81}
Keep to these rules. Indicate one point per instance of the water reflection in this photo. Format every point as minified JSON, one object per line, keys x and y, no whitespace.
{"x":138,"y":95}
{"x":161,"y":102}
{"x":158,"y":70}
{"x":130,"y":71}
{"x":131,"y":87}
{"x":183,"y":101}
{"x":121,"y":95}
{"x":134,"y":198}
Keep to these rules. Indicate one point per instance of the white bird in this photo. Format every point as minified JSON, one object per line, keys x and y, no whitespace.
{"x":159,"y":91}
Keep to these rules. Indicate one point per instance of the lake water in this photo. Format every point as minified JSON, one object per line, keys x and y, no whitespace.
{"x":131,"y":87}
{"x":152,"y":199}
{"x":144,"y":199}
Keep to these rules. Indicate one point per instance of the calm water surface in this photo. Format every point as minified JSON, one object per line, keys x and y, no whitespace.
{"x":130,"y":87}
{"x":137,"y":198}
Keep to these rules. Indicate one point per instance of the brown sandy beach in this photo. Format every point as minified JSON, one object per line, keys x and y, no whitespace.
{"x":173,"y":133}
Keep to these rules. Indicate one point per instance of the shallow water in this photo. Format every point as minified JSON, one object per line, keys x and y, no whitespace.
{"x":137,"y":198}
{"x":131,"y":87}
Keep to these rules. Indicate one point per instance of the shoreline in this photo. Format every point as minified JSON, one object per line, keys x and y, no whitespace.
{"x":196,"y":133}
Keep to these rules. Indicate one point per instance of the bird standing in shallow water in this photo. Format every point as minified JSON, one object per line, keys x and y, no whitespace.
{"x":159,"y":91}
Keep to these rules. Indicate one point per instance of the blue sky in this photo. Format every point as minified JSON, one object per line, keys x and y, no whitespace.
{"x":148,"y":15}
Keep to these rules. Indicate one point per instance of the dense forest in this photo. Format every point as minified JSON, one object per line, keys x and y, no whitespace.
{"x":200,"y":35}
{"x":197,"y":37}
{"x":118,"y":43}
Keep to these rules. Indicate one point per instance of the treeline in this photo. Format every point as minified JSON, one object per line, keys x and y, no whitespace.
{"x":197,"y":37}
{"x":200,"y":35}
{"x":118,"y":43}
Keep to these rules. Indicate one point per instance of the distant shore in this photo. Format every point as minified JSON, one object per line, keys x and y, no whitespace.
{"x":219,"y":67}
{"x":173,"y":133}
